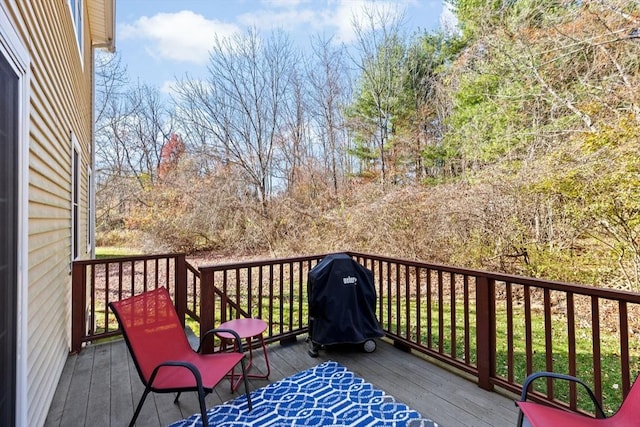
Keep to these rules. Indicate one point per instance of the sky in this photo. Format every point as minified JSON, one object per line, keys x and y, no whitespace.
{"x":159,"y":40}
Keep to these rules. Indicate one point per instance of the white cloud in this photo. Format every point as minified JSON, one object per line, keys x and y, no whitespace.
{"x":168,"y":87}
{"x":449,"y":20}
{"x":284,"y":3}
{"x":289,"y":19}
{"x":336,"y":17}
{"x":348,"y":12}
{"x":184,"y":36}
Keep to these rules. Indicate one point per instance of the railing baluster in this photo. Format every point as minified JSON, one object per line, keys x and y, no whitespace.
{"x":452,"y":302}
{"x":467,"y":329}
{"x":250,"y":290}
{"x":92,"y":308}
{"x":270,"y":298}
{"x":510,"y":343}
{"x":407,"y":302}
{"x":624,"y":347}
{"x":106,"y":281}
{"x":238,"y":295}
{"x":132,"y":278}
{"x":108,"y":273}
{"x":528,"y":330}
{"x":440,"y":313}
{"x":78,"y":306}
{"x":484,"y":291}
{"x":179,"y":286}
{"x":429,"y":313}
{"x":260,"y":291}
{"x":381,"y":293}
{"x":418,"y":272}
{"x":207,"y":309}
{"x":398,"y":299}
{"x":290,"y":299}
{"x":281,"y":298}
{"x":106,"y":300}
{"x":145,"y":282}
{"x":595,"y":342}
{"x":301,"y":293}
{"x":389,"y":297}
{"x":571,"y":343}
{"x":406,"y":308}
{"x":548,"y":339}
{"x":224,"y":311}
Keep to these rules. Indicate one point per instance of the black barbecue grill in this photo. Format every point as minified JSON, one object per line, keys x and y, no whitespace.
{"x":342,"y":304}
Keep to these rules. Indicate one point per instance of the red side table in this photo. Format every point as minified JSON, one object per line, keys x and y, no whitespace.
{"x":247,"y":329}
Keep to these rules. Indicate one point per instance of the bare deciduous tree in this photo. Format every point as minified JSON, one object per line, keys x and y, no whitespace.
{"x":239,"y":113}
{"x":132,"y":127}
{"x":330,"y":93}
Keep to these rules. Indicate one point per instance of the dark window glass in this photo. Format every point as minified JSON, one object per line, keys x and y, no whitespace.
{"x":8,"y":239}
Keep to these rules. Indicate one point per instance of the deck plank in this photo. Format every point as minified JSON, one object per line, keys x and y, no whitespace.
{"x":101,"y":387}
{"x":99,"y":403}
{"x":121,"y":409}
{"x":54,"y":417}
{"x":78,"y":392}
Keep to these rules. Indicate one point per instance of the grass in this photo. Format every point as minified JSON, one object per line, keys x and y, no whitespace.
{"x":609,"y":348}
{"x":114,"y":251}
{"x":609,"y":340}
{"x":609,"y":344}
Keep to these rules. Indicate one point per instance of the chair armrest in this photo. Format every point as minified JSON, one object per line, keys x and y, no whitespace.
{"x":178,"y":364}
{"x":228,"y":331}
{"x":534,"y":376}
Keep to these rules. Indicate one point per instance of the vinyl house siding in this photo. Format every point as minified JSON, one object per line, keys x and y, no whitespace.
{"x":60,"y":105}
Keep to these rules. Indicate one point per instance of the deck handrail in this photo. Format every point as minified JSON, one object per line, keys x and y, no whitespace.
{"x":495,"y":327}
{"x":96,"y":282}
{"x":542,"y":302}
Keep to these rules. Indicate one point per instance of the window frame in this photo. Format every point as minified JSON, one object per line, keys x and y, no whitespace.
{"x":76,"y":8}
{"x":15,"y":50}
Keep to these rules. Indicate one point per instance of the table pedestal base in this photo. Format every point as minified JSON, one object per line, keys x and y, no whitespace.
{"x":247,"y":329}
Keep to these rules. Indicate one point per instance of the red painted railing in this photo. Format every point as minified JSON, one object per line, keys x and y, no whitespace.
{"x":495,"y":327}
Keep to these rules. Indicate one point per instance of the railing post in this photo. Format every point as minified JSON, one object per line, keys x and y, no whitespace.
{"x":206,"y":308}
{"x":181,"y":287}
{"x":485,"y":330}
{"x":78,"y":306}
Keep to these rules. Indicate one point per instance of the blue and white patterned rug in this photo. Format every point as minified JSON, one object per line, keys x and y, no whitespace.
{"x":326,"y":395}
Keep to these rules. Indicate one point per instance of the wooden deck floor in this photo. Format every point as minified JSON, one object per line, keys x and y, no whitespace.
{"x":100,"y":387}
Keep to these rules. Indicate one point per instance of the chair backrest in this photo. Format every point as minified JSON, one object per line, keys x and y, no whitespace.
{"x":152,"y":330}
{"x":629,"y":412}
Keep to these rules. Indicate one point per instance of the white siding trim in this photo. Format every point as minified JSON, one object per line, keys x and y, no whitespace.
{"x":12,"y":47}
{"x":76,"y":199}
{"x":76,"y":8}
{"x":90,"y":209}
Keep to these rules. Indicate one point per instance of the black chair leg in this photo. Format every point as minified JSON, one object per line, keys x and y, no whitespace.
{"x":246,"y":383}
{"x":139,"y":407}
{"x":203,"y":409}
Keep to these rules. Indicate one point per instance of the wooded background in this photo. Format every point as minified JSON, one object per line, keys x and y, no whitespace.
{"x":508,"y":143}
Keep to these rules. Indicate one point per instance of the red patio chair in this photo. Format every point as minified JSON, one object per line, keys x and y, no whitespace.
{"x":535,"y":414}
{"x":162,"y":354}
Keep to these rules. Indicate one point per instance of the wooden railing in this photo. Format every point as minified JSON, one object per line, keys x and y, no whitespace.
{"x":273,"y":290}
{"x":497,"y":328}
{"x":97,"y":282}
{"x":500,"y":328}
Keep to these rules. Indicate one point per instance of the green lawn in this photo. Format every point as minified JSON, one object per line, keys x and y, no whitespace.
{"x":609,"y":348}
{"x":114,"y":251}
{"x":394,"y":312}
